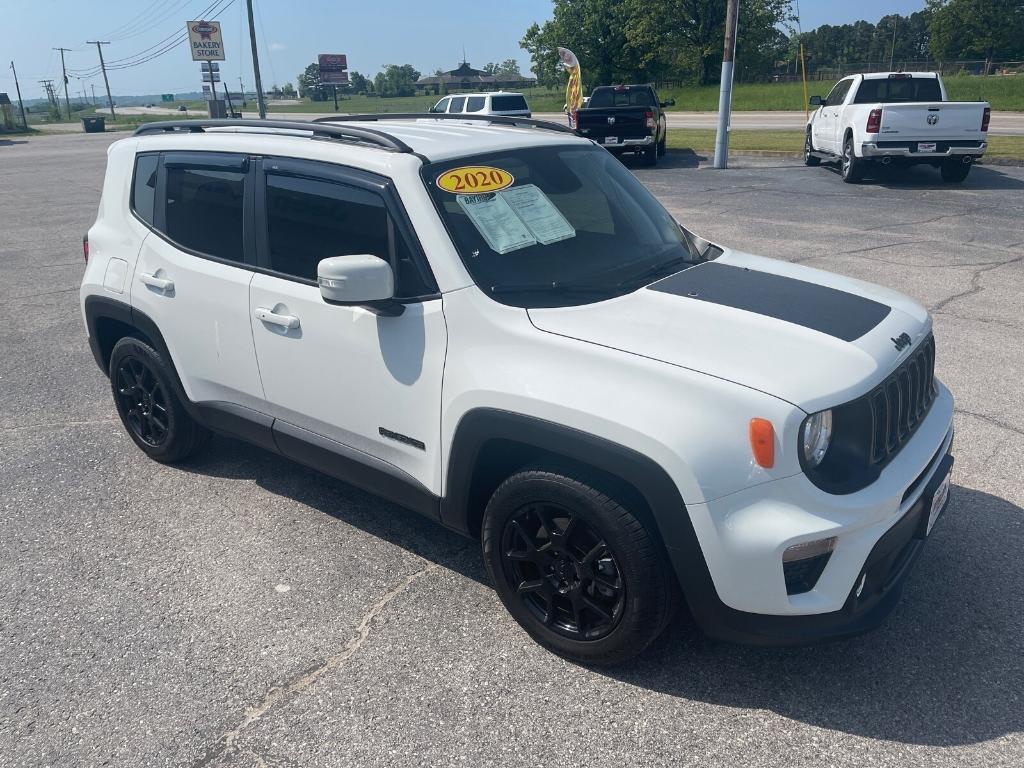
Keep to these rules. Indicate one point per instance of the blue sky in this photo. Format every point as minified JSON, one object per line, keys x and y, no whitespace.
{"x":428,"y":35}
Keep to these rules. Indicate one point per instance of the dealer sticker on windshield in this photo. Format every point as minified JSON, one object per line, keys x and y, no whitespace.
{"x":474,"y":180}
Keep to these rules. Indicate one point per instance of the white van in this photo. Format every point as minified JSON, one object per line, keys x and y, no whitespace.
{"x":498,"y":103}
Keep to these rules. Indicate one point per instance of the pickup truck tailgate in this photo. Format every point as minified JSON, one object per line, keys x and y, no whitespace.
{"x":947,"y":120}
{"x":627,"y":122}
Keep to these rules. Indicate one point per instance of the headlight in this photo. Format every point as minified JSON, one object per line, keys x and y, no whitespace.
{"x":815,"y":437}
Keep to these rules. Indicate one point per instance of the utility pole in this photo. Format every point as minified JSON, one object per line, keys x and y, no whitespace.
{"x":93,"y":86}
{"x":892,"y":51}
{"x":99,"y":47}
{"x":256,"y":64}
{"x":732,"y":13}
{"x":48,"y":87}
{"x":17,"y":88}
{"x":241,"y":91}
{"x":64,"y":73}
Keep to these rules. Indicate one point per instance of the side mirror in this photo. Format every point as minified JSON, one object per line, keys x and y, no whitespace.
{"x":817,"y":101}
{"x":668,"y":103}
{"x":362,"y":280}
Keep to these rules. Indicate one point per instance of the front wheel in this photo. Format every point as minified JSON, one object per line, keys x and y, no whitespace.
{"x":810,"y":158}
{"x":954,"y":170}
{"x":578,"y":571}
{"x":852,"y":166}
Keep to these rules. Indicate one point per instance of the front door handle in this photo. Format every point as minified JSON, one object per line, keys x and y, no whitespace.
{"x":160,"y":283}
{"x":289,"y":322}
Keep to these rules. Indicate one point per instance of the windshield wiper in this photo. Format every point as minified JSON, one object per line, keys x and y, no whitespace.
{"x":657,"y":269}
{"x":552,"y":287}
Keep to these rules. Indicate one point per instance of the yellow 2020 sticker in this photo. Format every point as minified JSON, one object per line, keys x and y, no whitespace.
{"x":474,"y":180}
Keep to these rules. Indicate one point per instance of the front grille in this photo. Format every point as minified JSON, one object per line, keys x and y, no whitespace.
{"x":900,"y":403}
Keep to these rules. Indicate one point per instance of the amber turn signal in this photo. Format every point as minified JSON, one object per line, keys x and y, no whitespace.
{"x":762,"y":442}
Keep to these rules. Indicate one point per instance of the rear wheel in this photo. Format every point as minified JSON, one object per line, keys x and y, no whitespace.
{"x":662,"y":146}
{"x":809,"y":158}
{"x":954,"y":170}
{"x":852,"y":167}
{"x":577,"y":570}
{"x":150,"y":410}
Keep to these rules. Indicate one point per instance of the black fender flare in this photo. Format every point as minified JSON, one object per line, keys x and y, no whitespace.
{"x":659,"y":492}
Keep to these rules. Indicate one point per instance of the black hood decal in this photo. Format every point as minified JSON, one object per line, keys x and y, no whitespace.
{"x":837,"y":313}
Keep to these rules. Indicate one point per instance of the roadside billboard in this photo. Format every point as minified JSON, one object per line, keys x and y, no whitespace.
{"x":333,"y":68}
{"x":205,"y":40}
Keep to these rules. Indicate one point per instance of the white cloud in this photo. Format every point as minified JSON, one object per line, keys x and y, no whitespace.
{"x":278,"y":46}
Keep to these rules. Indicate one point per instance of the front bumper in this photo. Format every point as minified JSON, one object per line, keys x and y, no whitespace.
{"x":878,"y":537}
{"x":908,"y":149}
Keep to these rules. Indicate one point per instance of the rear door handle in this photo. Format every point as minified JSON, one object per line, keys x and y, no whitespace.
{"x":160,"y":283}
{"x":289,"y":322}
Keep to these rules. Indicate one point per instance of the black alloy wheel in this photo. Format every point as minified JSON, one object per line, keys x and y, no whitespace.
{"x":566,"y":574}
{"x":143,"y":401}
{"x":146,"y":393}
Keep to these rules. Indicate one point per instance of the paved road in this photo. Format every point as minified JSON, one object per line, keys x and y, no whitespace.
{"x":243,"y":611}
{"x":1003,"y":123}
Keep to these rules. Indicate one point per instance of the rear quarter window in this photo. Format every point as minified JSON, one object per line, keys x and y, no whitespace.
{"x":508,"y":103}
{"x":144,"y":186}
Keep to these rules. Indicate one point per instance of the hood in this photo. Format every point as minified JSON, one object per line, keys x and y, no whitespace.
{"x":812,"y":338}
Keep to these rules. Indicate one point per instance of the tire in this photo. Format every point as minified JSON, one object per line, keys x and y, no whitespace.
{"x":599,"y":590}
{"x":662,"y":146}
{"x":851,"y":167}
{"x":145,"y":397}
{"x":954,"y":170}
{"x":809,"y":159}
{"x":649,"y":155}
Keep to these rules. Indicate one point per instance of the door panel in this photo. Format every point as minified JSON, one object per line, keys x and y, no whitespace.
{"x":204,"y":319}
{"x":370,"y":382}
{"x":200,"y":303}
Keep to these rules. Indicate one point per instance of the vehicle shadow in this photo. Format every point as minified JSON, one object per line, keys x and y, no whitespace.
{"x":925,"y":177}
{"x":12,"y":142}
{"x":672,"y":159}
{"x":944,"y":670}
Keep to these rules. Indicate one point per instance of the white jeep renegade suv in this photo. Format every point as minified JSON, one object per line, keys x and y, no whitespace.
{"x":499,"y":327}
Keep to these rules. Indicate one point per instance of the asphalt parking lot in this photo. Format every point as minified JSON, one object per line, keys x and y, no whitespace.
{"x":241,"y":610}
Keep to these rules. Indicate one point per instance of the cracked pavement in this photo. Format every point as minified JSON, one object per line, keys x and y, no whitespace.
{"x":243,"y":611}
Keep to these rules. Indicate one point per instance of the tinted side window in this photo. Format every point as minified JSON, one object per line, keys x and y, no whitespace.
{"x":204,"y":210}
{"x":838,"y":93}
{"x":475,"y":103}
{"x":456,"y":105}
{"x":508,"y":103}
{"x":144,"y":186}
{"x":309,"y":220}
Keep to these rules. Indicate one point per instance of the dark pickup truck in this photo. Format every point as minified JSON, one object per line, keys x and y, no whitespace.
{"x":625,"y":118}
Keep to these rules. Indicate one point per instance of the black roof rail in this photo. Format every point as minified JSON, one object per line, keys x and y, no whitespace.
{"x":499,"y":119}
{"x":343,"y":133}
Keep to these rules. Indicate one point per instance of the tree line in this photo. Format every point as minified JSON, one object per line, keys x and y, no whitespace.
{"x":681,"y":40}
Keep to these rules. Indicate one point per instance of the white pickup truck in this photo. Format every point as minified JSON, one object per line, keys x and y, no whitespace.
{"x":902,"y":118}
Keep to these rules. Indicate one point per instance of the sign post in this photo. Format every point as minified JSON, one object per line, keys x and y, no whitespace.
{"x":333,"y":72}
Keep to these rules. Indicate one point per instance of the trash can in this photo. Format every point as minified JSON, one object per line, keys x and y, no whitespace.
{"x":94,"y":124}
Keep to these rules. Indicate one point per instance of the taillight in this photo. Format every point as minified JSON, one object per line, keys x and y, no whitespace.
{"x":874,"y":121}
{"x":650,"y":118}
{"x":85,"y":247}
{"x":985,"y":118}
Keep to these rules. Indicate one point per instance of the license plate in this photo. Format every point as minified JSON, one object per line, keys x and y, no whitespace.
{"x":611,"y":139}
{"x":938,"y":502}
{"x":926,"y":146}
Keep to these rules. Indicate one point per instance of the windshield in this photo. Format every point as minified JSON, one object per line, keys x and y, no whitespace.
{"x":554,"y":226}
{"x":893,"y":90}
